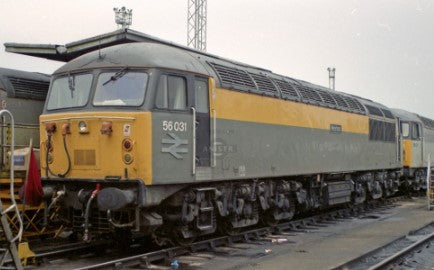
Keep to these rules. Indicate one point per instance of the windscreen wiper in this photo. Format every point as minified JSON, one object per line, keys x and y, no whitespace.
{"x":71,"y":84}
{"x":116,"y":76}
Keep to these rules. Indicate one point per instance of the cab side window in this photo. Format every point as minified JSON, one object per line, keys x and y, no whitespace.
{"x":171,"y":93}
{"x":415,"y":131}
{"x":405,"y":129}
{"x":201,"y":96}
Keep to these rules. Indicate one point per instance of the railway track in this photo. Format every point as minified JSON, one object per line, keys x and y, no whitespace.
{"x":401,"y":252}
{"x":166,"y":257}
{"x":142,"y":257}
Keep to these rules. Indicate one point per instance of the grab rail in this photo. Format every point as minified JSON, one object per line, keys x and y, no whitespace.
{"x":14,"y":205}
{"x":194,"y":141}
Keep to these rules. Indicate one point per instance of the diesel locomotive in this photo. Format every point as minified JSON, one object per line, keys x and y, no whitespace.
{"x":23,"y":94}
{"x":174,"y":143}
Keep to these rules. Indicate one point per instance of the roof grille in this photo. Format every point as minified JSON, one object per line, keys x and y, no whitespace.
{"x":234,"y":78}
{"x":327,"y":98}
{"x":339,"y":100}
{"x":374,"y":110}
{"x":264,"y":84}
{"x":309,"y":94}
{"x":239,"y":79}
{"x":352,"y":104}
{"x":388,"y":113}
{"x":286,"y":88}
{"x":32,"y":89}
{"x":361,"y":108}
{"x":427,"y":122}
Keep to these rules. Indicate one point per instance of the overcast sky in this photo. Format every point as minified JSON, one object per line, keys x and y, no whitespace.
{"x":381,"y":49}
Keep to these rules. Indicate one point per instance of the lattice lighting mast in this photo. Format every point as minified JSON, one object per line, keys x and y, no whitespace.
{"x":332,"y":77}
{"x":196,"y":24}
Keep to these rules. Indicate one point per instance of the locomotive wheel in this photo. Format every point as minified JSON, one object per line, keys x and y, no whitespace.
{"x":227,"y":228}
{"x":268,"y":218}
{"x":179,"y":239}
{"x":123,"y":238}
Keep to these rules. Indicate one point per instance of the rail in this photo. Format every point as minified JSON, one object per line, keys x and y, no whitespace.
{"x":394,"y":252}
{"x":395,"y":258}
{"x":143,"y":260}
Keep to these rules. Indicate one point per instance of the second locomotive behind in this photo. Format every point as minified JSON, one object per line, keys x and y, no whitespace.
{"x":174,"y":143}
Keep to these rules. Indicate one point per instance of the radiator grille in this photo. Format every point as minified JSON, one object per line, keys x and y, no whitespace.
{"x":374,"y":110}
{"x":309,"y":94}
{"x":286,"y":88}
{"x":264,"y":84}
{"x":84,"y":158}
{"x":327,"y":98}
{"x":26,"y":88}
{"x":233,"y":77}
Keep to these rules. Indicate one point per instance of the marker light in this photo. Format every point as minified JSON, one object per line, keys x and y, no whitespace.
{"x":50,"y":127}
{"x":106,"y":128}
{"x":82,"y":127}
{"x":128,"y":159}
{"x":66,"y":129}
{"x":127,"y":144}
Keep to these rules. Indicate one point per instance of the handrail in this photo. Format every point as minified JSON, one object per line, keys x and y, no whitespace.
{"x":194,"y":141}
{"x":214,"y":139}
{"x":12,"y":188}
{"x":428,"y":181}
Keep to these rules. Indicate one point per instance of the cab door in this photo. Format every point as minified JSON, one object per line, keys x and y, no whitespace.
{"x":417,"y":143}
{"x":201,"y":109}
{"x":407,"y":143}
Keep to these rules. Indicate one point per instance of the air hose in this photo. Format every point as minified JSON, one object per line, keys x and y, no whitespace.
{"x":86,"y":237}
{"x":47,"y":168}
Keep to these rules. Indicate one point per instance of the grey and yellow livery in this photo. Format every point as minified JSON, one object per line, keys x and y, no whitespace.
{"x":175,"y":143}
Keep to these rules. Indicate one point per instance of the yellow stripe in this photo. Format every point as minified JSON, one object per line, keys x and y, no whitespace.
{"x":408,"y":153}
{"x":233,"y":105}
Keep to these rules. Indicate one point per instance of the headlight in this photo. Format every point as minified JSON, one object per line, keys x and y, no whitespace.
{"x":82,"y":127}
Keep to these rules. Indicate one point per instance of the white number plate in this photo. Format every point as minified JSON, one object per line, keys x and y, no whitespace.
{"x":174,"y":126}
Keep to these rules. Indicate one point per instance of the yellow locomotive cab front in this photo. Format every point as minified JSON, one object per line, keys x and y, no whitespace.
{"x":102,"y":144}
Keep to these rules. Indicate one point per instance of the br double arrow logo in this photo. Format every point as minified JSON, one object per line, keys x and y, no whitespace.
{"x":175,"y":148}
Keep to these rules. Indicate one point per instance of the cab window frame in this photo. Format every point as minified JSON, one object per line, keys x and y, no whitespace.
{"x":105,"y":70}
{"x":67,"y":74}
{"x":408,"y":136}
{"x":186,"y":79}
{"x":415,"y":126}
{"x":206,"y":82}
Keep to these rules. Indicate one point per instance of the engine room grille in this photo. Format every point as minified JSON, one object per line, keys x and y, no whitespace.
{"x":387,"y":113}
{"x":233,"y":77}
{"x":327,"y":98}
{"x":361,"y":108}
{"x":32,"y":89}
{"x":427,"y":122}
{"x":286,"y":88}
{"x":382,"y":131}
{"x":352,"y":104}
{"x":264,"y":84}
{"x":239,"y":79}
{"x":309,"y":94}
{"x":340,"y":101}
{"x":84,"y":158}
{"x":374,"y":110}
